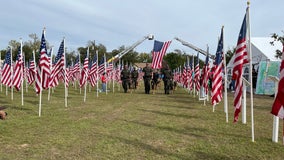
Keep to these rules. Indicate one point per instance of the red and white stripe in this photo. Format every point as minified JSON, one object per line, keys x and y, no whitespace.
{"x":278,"y":105}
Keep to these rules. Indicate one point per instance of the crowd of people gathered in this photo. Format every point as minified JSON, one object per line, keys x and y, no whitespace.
{"x":151,"y":77}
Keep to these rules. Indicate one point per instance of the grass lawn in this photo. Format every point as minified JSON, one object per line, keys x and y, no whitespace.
{"x":132,"y":126}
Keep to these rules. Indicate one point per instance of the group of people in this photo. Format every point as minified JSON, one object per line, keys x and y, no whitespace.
{"x":129,"y":79}
{"x":150,"y":77}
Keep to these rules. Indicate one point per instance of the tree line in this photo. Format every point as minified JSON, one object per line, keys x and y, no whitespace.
{"x":174,"y":59}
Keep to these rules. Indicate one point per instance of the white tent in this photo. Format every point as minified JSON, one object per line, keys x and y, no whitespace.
{"x":264,"y":62}
{"x":262,"y":50}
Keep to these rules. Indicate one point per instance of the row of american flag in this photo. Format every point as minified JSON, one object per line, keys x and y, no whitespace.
{"x":191,"y":77}
{"x":47,"y":74}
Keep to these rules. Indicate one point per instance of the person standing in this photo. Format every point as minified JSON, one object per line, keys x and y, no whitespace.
{"x":167,"y":78}
{"x":103,"y":79}
{"x":147,"y":78}
{"x":134,"y":77}
{"x":125,"y":78}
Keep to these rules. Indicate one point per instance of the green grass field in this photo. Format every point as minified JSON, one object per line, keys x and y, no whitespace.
{"x":132,"y":126}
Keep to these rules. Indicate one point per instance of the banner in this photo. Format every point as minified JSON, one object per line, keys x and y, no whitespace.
{"x":264,"y":84}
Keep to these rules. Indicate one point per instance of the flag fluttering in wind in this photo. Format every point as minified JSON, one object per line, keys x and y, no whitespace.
{"x":205,"y":73}
{"x":197,"y":74}
{"x":57,"y":66}
{"x":43,"y":71}
{"x":84,"y":72}
{"x":240,"y":58}
{"x":18,"y":70}
{"x":101,"y":68}
{"x":190,"y":72}
{"x":158,"y":53}
{"x":7,"y":69}
{"x":93,"y":72}
{"x":32,"y":72}
{"x":278,"y":105}
{"x":217,"y":82}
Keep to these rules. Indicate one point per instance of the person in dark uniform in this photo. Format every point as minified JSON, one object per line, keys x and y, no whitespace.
{"x":125,"y":78}
{"x":167,"y":78}
{"x":147,"y":78}
{"x":134,"y":77}
{"x":155,"y":79}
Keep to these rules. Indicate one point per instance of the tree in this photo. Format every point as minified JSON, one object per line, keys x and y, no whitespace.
{"x":143,"y":58}
{"x":230,"y":54}
{"x":174,"y":60}
{"x":279,"y":38}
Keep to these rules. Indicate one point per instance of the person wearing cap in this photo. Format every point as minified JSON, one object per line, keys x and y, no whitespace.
{"x":134,"y":77}
{"x":125,"y":78}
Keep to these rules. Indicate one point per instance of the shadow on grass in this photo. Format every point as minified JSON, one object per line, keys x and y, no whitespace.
{"x":205,"y":155}
{"x":140,"y":145}
{"x":180,"y":107}
{"x":171,"y":114}
{"x":19,"y":108}
{"x":185,"y":131}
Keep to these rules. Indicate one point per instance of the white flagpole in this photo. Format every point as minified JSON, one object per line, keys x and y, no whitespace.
{"x":50,"y":63}
{"x":85,"y":92}
{"x":105,"y":70}
{"x":22,"y":72}
{"x":12,"y":76}
{"x":250,"y":73}
{"x":187,"y":67}
{"x":97,"y":73}
{"x":65,"y":74}
{"x":193,"y":73}
{"x":112,"y":77}
{"x":80,"y":70}
{"x":225,"y":79}
{"x":119,"y":64}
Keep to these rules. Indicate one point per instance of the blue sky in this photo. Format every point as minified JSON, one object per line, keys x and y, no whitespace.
{"x":115,"y":23}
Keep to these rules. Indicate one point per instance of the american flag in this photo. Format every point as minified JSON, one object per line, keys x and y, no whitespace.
{"x":240,"y":58}
{"x":76,"y":69}
{"x":205,"y":77}
{"x":278,"y":105}
{"x":189,"y":74}
{"x":32,"y":72}
{"x":217,"y":82}
{"x":42,"y":79}
{"x":93,"y":72}
{"x":185,"y":75}
{"x":57,"y":66}
{"x":85,"y":70}
{"x":158,"y":53}
{"x":6,"y":70}
{"x":18,"y":70}
{"x":101,"y":68}
{"x":197,"y":74}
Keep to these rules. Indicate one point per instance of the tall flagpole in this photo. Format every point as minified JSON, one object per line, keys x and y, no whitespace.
{"x":85,"y":92}
{"x":105,"y":62}
{"x":65,"y":74}
{"x":186,"y":68}
{"x":12,"y":75}
{"x":22,"y":72}
{"x":113,"y":71}
{"x":250,"y":73}
{"x":50,"y":63}
{"x":225,"y":79}
{"x":80,"y":70}
{"x":97,"y":73}
{"x":193,"y":73}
